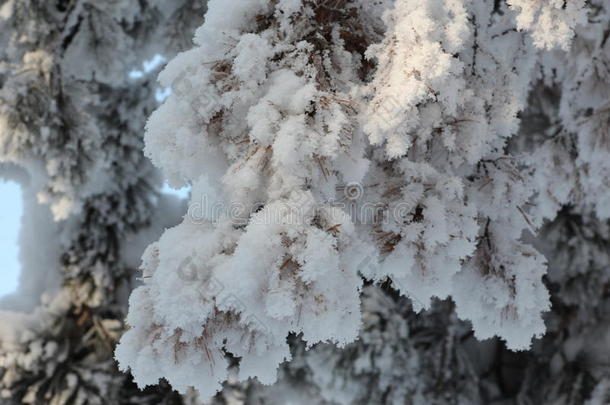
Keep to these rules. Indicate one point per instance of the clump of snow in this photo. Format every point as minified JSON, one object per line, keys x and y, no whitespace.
{"x":551,"y":22}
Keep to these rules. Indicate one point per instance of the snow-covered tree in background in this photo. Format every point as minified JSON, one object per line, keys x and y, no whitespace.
{"x":71,"y":125}
{"x":565,"y":137}
{"x":353,"y":141}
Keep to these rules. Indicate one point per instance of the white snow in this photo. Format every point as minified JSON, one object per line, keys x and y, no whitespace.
{"x":272,"y":122}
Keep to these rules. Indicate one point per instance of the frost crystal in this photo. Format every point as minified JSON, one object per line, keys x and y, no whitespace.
{"x":345,"y":141}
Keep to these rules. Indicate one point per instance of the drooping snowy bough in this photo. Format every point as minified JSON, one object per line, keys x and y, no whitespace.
{"x":332,"y":142}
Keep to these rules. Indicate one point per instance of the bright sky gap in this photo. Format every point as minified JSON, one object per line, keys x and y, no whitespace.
{"x":10,"y":218}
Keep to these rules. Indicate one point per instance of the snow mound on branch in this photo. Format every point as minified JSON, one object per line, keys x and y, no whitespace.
{"x":341,"y":141}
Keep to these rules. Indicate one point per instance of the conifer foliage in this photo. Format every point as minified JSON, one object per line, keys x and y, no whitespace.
{"x":392,"y":201}
{"x":348,"y":142}
{"x":71,"y":125}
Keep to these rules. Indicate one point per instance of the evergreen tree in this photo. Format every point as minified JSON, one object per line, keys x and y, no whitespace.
{"x":71,"y":125}
{"x":353,"y":141}
{"x":393,"y":201}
